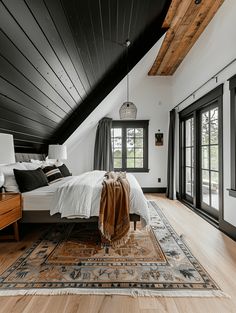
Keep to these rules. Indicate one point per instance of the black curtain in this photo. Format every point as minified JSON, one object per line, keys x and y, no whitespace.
{"x":171,"y":157}
{"x":103,"y":159}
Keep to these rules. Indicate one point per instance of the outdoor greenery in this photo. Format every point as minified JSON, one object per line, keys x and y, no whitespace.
{"x":134,"y":145}
{"x":209,"y":156}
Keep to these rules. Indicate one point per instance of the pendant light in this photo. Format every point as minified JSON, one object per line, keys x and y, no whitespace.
{"x":128,"y":110}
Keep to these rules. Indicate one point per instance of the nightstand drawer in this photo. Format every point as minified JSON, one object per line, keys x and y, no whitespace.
{"x":10,"y":211}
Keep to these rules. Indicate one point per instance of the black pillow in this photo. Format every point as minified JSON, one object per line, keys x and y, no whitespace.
{"x":28,"y":180}
{"x":53,"y":174}
{"x":64,"y":170}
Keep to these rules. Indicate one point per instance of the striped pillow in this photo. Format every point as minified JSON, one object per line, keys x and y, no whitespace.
{"x":53,"y":174}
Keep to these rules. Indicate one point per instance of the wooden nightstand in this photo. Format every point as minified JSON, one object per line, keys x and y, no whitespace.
{"x":10,"y":213}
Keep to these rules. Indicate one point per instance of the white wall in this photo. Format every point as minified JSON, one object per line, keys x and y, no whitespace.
{"x":215,"y":48}
{"x":152,"y":96}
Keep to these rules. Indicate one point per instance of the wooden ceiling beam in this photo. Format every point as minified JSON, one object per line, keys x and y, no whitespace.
{"x":181,"y":46}
{"x":174,"y":17}
{"x":171,"y":13}
{"x":180,"y":29}
{"x":186,"y":22}
{"x":193,"y":33}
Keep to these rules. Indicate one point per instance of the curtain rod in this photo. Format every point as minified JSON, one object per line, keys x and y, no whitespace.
{"x":213,"y":77}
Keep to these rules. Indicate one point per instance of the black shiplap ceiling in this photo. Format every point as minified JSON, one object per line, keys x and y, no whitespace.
{"x":59,"y":59}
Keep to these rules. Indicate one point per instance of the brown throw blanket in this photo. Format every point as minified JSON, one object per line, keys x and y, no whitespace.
{"x":114,"y":222}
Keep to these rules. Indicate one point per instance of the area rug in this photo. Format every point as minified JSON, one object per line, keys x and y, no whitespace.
{"x":69,"y":259}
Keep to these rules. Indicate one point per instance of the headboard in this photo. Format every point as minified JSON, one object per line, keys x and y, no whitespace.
{"x":26,"y":157}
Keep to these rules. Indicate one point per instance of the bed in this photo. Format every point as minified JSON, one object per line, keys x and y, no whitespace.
{"x":45,"y":204}
{"x":37,"y":204}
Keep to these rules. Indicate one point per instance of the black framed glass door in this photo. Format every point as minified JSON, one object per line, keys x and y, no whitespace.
{"x":209,"y":160}
{"x":201,"y":155}
{"x":188,"y":152}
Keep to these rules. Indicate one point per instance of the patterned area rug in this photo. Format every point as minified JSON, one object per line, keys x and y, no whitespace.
{"x":70,"y":259}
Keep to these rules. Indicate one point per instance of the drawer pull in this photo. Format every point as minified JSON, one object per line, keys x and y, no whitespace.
{"x":7,"y":212}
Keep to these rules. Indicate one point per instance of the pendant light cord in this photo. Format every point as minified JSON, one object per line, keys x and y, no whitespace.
{"x":127,"y":64}
{"x":127,"y":87}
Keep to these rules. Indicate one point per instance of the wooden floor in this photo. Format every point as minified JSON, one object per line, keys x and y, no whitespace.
{"x":213,"y":249}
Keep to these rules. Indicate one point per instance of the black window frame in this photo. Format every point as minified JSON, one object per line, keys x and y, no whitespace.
{"x":133,"y":124}
{"x":232,"y":88}
{"x":184,"y":194}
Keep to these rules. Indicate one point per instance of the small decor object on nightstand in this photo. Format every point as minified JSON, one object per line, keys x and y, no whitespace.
{"x":10,"y":213}
{"x":159,"y":139}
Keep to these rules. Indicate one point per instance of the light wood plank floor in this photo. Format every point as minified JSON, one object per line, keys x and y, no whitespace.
{"x":215,"y":251}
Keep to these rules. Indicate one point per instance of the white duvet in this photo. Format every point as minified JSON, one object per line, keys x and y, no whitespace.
{"x":79,"y":197}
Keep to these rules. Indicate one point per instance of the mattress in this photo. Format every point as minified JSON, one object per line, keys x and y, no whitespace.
{"x":40,"y":199}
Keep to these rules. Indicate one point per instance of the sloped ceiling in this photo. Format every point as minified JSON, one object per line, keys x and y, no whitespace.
{"x":112,"y":102}
{"x":59,"y":59}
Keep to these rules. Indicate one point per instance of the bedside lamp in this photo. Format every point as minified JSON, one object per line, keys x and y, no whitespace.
{"x":7,"y":154}
{"x":57,"y":152}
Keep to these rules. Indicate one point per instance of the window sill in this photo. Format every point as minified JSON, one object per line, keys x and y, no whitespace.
{"x":232,"y":193}
{"x":132,"y":170}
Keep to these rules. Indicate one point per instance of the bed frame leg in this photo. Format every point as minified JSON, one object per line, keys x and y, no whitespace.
{"x":135,"y":224}
{"x":106,"y":249}
{"x":105,"y":244}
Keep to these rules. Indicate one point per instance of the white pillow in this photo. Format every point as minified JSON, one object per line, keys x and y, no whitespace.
{"x":48,"y":162}
{"x":39,"y":162}
{"x":10,"y":183}
{"x":30,"y":166}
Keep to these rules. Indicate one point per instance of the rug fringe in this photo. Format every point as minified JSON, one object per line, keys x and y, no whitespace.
{"x":124,"y":292}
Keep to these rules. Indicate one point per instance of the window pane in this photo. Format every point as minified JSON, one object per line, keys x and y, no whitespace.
{"x":130,"y":142}
{"x":130,"y":163}
{"x":188,"y":181}
{"x":130,"y":132}
{"x":205,"y":187}
{"x":117,"y":153}
{"x":188,"y":156}
{"x":214,"y":158}
{"x":192,"y":132}
{"x":214,"y":131}
{"x":138,"y":132}
{"x":138,"y":163}
{"x":188,"y":131}
{"x":215,"y":190}
{"x":130,"y":153}
{"x":192,"y":180}
{"x":205,"y":128}
{"x":193,"y":161}
{"x":214,"y":114}
{"x":112,"y":132}
{"x":205,"y":157}
{"x":117,"y":163}
{"x":117,"y":132}
{"x":138,"y":142}
{"x":138,"y":153}
{"x":117,"y":142}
